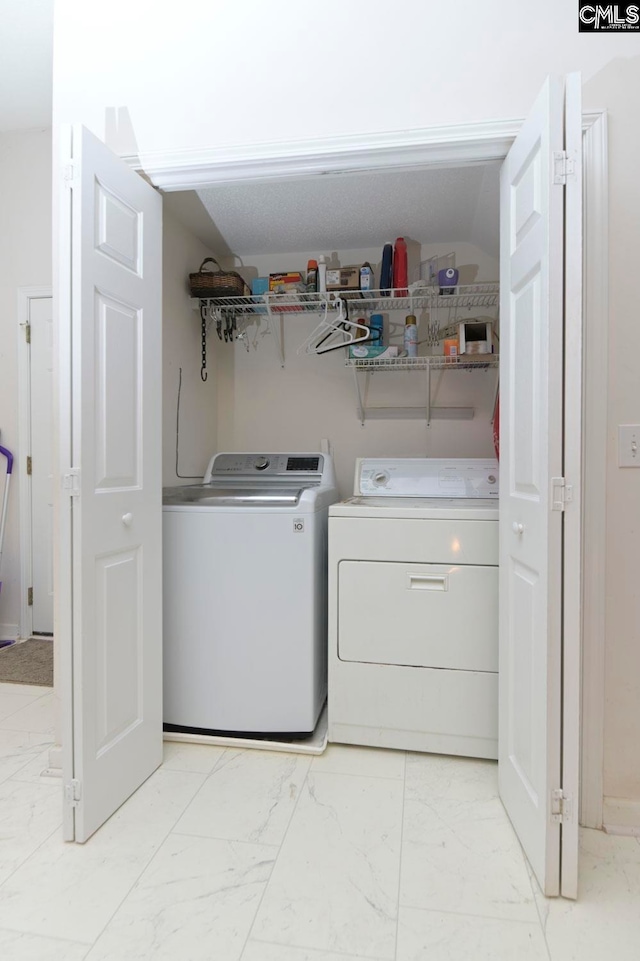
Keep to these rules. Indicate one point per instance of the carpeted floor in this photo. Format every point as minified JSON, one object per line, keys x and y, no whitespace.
{"x":30,"y":662}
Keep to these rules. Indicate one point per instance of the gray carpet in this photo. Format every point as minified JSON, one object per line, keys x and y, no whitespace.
{"x":28,"y":663}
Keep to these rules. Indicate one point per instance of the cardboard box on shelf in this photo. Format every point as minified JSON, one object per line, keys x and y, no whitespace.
{"x":343,"y":278}
{"x":285,"y":283}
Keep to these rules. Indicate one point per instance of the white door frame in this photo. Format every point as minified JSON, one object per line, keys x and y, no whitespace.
{"x":594,"y":462}
{"x":461,"y":144}
{"x":25,"y":296}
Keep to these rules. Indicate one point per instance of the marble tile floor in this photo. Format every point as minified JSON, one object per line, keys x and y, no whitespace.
{"x":232,"y":855}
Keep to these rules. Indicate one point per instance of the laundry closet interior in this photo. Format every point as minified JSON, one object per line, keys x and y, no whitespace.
{"x":296,"y":370}
{"x":272,"y":390}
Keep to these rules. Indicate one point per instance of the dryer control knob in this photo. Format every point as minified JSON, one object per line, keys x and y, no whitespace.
{"x":381,"y":478}
{"x":262,"y":463}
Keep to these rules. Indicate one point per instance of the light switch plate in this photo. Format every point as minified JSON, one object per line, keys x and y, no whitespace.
{"x":629,"y":445}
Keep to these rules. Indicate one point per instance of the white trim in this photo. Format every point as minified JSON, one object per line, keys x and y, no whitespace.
{"x":572,"y":599}
{"x":460,"y":144}
{"x":9,"y":632}
{"x":25,"y":296}
{"x":596,"y":330}
{"x":456,"y":144}
{"x":621,"y":816}
{"x":63,"y":460}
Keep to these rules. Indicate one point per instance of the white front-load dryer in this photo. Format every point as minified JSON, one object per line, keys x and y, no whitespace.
{"x":245,"y":595}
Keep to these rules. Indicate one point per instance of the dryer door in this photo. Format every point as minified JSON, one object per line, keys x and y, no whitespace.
{"x":422,"y":615}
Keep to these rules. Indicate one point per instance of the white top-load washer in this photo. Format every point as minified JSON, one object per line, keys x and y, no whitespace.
{"x":245,"y":595}
{"x":413,"y":607}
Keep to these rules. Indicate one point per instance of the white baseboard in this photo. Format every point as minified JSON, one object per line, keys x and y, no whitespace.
{"x":9,"y":632}
{"x":621,"y":816}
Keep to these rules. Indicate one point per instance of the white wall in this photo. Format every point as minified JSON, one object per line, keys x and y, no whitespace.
{"x":247,"y":72}
{"x":182,"y":254}
{"x":618,"y":86}
{"x":264,"y":407}
{"x":25,"y":261}
{"x":279,"y":77}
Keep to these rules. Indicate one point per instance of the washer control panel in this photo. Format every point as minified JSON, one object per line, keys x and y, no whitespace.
{"x":427,"y":477}
{"x":265,"y":465}
{"x":225,"y":464}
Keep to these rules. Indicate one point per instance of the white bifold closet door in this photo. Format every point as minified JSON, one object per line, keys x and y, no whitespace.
{"x":110,"y":517}
{"x":540,"y":269}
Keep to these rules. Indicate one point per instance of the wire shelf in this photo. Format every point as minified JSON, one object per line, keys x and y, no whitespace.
{"x":464,"y":362}
{"x":419,"y":297}
{"x":264,"y":304}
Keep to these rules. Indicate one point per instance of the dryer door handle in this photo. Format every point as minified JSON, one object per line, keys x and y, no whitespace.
{"x":428,"y":582}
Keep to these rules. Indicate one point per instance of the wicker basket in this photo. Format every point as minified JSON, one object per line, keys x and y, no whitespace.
{"x":217,"y":284}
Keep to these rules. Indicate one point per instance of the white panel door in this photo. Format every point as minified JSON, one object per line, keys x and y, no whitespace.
{"x":112,"y":259}
{"x":41,"y":406}
{"x":531,"y":455}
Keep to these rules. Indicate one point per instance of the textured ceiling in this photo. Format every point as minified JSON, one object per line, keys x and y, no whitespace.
{"x":347,"y":212}
{"x":26,"y":56}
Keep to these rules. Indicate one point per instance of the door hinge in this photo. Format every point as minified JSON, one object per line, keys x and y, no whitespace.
{"x":71,"y":482}
{"x":27,"y":333}
{"x":29,"y":597}
{"x":561,"y":807}
{"x":29,"y":465}
{"x":69,"y":174}
{"x":561,"y":494}
{"x":73,"y":792}
{"x":564,"y":167}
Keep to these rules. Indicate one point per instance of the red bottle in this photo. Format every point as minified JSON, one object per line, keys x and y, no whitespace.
{"x":400,"y":278}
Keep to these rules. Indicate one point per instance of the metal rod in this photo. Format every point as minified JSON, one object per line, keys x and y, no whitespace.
{"x":359,"y":396}
{"x":273,"y":329}
{"x":428,"y":372}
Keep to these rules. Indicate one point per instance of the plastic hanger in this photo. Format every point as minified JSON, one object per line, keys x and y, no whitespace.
{"x":341,"y":324}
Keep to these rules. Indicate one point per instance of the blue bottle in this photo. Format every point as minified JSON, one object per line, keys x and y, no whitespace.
{"x":386,"y":270}
{"x":376,"y":326}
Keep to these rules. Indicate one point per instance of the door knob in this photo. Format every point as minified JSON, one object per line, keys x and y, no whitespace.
{"x":518,"y":528}
{"x":127,"y":519}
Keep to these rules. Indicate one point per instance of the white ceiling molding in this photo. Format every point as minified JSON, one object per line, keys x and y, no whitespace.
{"x":451,"y":145}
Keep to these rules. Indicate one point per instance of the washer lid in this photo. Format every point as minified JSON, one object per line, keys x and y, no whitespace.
{"x":427,"y":477}
{"x":210,"y":495}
